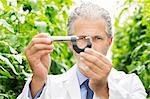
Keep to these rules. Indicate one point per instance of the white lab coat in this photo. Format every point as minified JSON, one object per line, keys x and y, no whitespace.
{"x":66,"y":86}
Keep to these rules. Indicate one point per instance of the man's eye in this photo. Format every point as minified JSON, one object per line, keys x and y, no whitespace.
{"x":82,"y":38}
{"x":98,"y":38}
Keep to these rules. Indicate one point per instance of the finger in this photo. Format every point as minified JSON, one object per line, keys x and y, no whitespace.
{"x":42,"y":35}
{"x":37,"y":56}
{"x":98,"y":55}
{"x":37,"y":47}
{"x":39,"y":41}
{"x":46,"y":58}
{"x":93,"y":59}
{"x":87,"y":72}
{"x":91,"y":66}
{"x":98,"y":68}
{"x":107,"y":64}
{"x":40,"y":53}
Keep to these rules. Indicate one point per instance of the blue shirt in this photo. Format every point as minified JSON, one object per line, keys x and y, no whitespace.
{"x":81,"y":79}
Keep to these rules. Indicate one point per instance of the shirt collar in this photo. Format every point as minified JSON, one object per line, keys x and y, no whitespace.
{"x":81,"y":77}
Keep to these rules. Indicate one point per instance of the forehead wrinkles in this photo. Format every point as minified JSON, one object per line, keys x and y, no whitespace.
{"x":81,"y":24}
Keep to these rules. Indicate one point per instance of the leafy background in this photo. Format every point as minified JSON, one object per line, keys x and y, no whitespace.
{"x":20,"y":20}
{"x":131,"y":49}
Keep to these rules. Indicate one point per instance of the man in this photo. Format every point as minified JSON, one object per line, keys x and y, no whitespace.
{"x":93,"y":77}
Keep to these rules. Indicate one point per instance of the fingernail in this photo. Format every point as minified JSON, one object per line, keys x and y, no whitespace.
{"x":87,"y":49}
{"x":49,"y":39}
{"x":52,"y":50}
{"x":51,"y":46}
{"x":82,"y":53}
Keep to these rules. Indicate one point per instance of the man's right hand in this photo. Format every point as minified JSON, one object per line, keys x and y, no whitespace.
{"x":38,"y":55}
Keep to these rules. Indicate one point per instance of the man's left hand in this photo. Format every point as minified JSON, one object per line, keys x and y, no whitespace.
{"x":97,"y":68}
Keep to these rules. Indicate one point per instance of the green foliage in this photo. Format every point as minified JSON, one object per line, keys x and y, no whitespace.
{"x":20,"y":20}
{"x":131,"y":50}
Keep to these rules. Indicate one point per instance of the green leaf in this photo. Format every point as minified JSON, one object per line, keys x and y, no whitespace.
{"x":5,"y":24}
{"x":8,"y":63}
{"x":19,"y":58}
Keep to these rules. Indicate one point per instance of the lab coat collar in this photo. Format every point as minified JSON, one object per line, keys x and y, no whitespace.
{"x":72,"y":84}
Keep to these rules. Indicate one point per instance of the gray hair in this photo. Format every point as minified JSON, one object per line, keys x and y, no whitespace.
{"x":92,"y":11}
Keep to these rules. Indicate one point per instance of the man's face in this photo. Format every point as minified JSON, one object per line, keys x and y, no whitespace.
{"x":96,"y":29}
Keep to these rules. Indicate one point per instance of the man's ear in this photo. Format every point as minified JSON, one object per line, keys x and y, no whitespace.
{"x":110,"y":40}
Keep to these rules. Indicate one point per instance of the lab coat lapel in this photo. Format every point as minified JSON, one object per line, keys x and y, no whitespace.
{"x":72,"y":84}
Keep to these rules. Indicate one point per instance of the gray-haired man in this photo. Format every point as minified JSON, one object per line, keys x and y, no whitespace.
{"x":93,"y":77}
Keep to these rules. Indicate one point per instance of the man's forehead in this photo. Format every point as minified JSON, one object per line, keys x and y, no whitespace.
{"x":89,"y":25}
{"x":90,"y":20}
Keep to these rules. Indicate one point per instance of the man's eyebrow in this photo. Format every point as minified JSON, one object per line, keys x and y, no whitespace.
{"x":97,"y":36}
{"x":82,"y":35}
{"x":91,"y":36}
